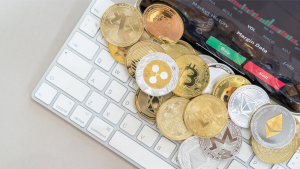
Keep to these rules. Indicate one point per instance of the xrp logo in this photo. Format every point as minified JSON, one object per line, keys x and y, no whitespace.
{"x":163,"y":75}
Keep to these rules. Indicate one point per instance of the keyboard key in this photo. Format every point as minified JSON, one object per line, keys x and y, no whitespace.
{"x":258,"y":164}
{"x":105,"y":60}
{"x":83,"y":45}
{"x":277,"y":166}
{"x":175,"y":159}
{"x":96,"y":102}
{"x":222,"y":164}
{"x":113,"y":113}
{"x":136,"y":152}
{"x":165,"y":147}
{"x":68,"y":83}
{"x":102,"y":40}
{"x":74,"y":63}
{"x":148,"y":136}
{"x":130,"y":124}
{"x":98,"y":79}
{"x":100,"y":128}
{"x":46,"y":93}
{"x":133,"y":84}
{"x":245,"y":152}
{"x":246,"y":132}
{"x":294,"y":162}
{"x":63,"y":104}
{"x":115,"y":91}
{"x":129,"y":102}
{"x":90,"y":25}
{"x":81,"y":116}
{"x":100,"y":6}
{"x":236,"y":165}
{"x":120,"y":72}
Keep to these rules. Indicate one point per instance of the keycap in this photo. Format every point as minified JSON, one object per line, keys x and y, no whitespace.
{"x":102,"y":40}
{"x":120,"y":72}
{"x":258,"y":164}
{"x":175,"y":159}
{"x":236,"y":165}
{"x":129,"y":102}
{"x":165,"y":147}
{"x":136,"y":152}
{"x":74,"y":63}
{"x":130,"y":124}
{"x":96,"y":102}
{"x":63,"y":104}
{"x":246,"y":132}
{"x":222,"y":164}
{"x":113,"y":113}
{"x":105,"y":60}
{"x":148,"y":136}
{"x":83,"y":45}
{"x":294,"y":162}
{"x":98,"y":79}
{"x":133,"y":84}
{"x":68,"y":83}
{"x":100,"y":6}
{"x":100,"y":128}
{"x":245,"y":152}
{"x":46,"y":93}
{"x":81,"y":116}
{"x":115,"y":91}
{"x":90,"y":25}
{"x":277,"y":166}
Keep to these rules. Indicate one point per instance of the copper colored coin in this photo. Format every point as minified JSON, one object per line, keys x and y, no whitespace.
{"x":163,"y":21}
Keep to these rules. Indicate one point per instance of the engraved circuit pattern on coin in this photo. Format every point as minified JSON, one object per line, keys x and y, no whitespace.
{"x":122,"y":25}
{"x":225,"y":145}
{"x":178,"y":49}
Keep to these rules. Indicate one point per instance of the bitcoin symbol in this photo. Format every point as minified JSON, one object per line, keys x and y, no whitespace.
{"x":191,"y":76}
{"x":122,"y":17}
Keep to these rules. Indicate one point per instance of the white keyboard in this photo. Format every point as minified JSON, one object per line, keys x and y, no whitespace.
{"x":85,"y":86}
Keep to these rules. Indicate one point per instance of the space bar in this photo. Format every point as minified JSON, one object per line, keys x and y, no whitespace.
{"x":137,"y":153}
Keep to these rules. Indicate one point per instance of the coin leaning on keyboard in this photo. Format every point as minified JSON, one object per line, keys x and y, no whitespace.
{"x":172,"y":82}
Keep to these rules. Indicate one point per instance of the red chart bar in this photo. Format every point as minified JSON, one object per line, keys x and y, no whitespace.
{"x":284,"y":35}
{"x":292,"y":40}
{"x":282,"y":32}
{"x":257,"y":18}
{"x":251,"y":12}
{"x":256,"y":15}
{"x":234,"y":2}
{"x":245,"y":9}
{"x":240,"y":5}
{"x":295,"y":41}
{"x":271,"y":26}
{"x":276,"y":29}
{"x":237,"y":4}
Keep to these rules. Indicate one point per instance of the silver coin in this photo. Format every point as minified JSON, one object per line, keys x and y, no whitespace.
{"x":217,"y":71}
{"x":157,"y":74}
{"x":273,"y":126}
{"x":244,"y":101}
{"x":225,"y":145}
{"x":191,"y":156}
{"x":208,"y":59}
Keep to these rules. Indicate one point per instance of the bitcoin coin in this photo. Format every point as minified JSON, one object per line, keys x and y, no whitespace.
{"x":178,"y":49}
{"x":273,"y":126}
{"x":191,"y":156}
{"x":169,"y":119}
{"x":297,"y":134}
{"x":162,"y":20}
{"x":225,"y":145}
{"x":121,"y":25}
{"x":147,"y":105}
{"x":208,"y":59}
{"x":244,"y":101}
{"x":137,"y":52}
{"x":224,"y":88}
{"x":206,"y":116}
{"x":194,"y":76}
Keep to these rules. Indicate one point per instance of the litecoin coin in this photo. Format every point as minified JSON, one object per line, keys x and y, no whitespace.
{"x":208,"y":59}
{"x":217,"y":71}
{"x":191,"y":156}
{"x":273,"y":126}
{"x":178,"y":49}
{"x":157,"y":74}
{"x":225,"y":145}
{"x":244,"y":101}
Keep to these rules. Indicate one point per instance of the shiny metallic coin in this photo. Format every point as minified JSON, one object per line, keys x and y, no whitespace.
{"x":178,"y":49}
{"x":225,"y":145}
{"x":157,"y":74}
{"x":244,"y":101}
{"x":208,"y":59}
{"x":273,"y":126}
{"x":191,"y":156}
{"x":217,"y":71}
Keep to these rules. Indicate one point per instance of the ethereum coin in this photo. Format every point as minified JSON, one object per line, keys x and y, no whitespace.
{"x":225,"y":145}
{"x":244,"y":101}
{"x":157,"y":74}
{"x":191,"y":156}
{"x":208,"y":59}
{"x":273,"y":126}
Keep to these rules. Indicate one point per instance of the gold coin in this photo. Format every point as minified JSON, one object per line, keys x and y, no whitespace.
{"x":170,"y":121}
{"x":224,"y":88}
{"x":147,"y":105}
{"x":194,"y":76}
{"x":297,"y":134}
{"x":178,"y":49}
{"x":206,"y":116}
{"x":137,"y":52}
{"x":122,"y":25}
{"x":274,"y":156}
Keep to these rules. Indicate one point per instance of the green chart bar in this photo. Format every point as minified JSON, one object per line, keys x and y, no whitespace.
{"x":253,"y":14}
{"x":248,"y":11}
{"x":261,"y":19}
{"x":279,"y":31}
{"x":267,"y":22}
{"x":243,"y":6}
{"x":270,"y":23}
{"x":290,"y":37}
{"x":287,"y":36}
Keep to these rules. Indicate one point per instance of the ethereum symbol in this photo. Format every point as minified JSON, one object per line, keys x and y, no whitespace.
{"x":274,"y":126}
{"x":248,"y":104}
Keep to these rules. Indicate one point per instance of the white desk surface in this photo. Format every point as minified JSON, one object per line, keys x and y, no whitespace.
{"x":32,"y":137}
